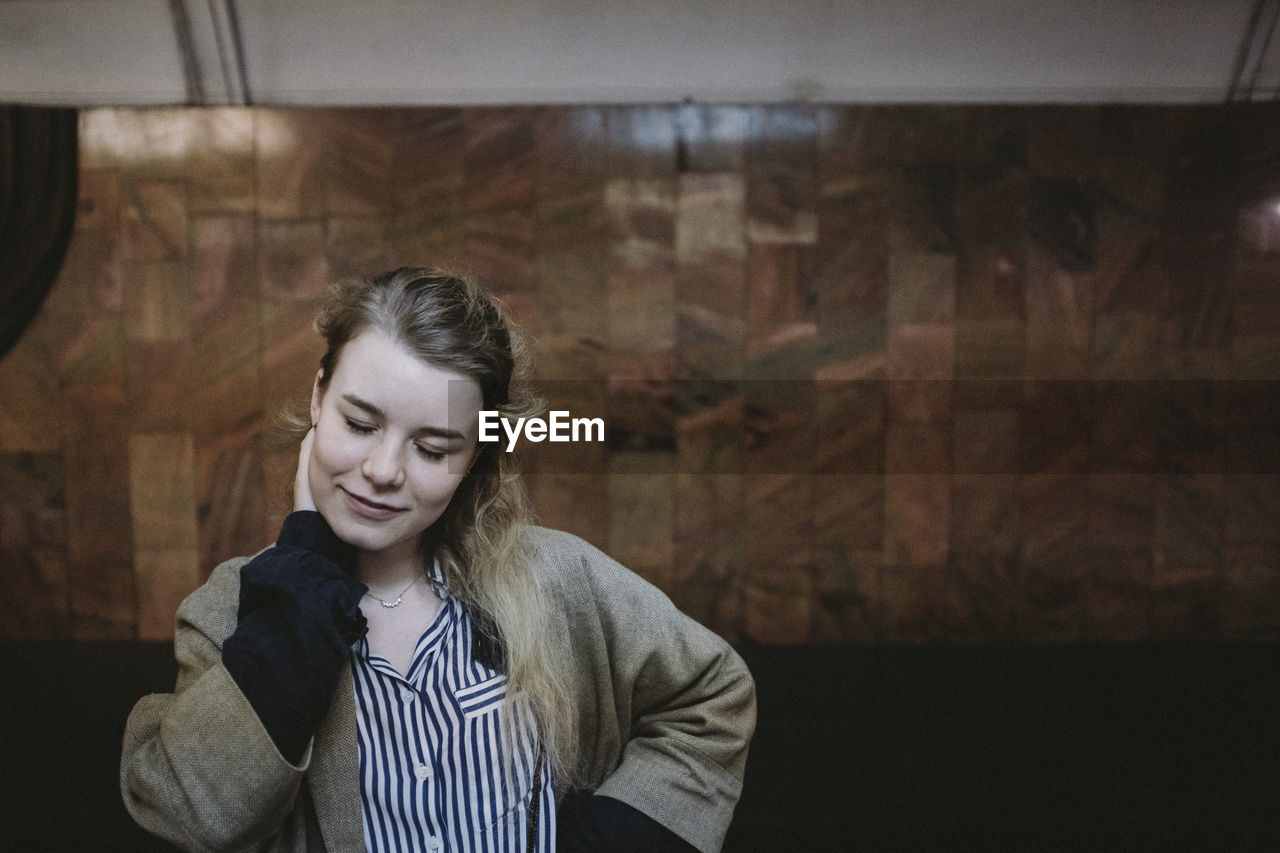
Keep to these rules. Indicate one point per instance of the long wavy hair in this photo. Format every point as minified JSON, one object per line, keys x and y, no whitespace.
{"x":481,"y":539}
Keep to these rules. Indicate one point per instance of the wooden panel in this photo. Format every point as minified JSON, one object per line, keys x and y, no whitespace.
{"x":968,"y":373}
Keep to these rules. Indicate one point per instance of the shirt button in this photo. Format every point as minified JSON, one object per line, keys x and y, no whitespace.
{"x":422,"y":771}
{"x":406,"y":695}
{"x":433,"y":844}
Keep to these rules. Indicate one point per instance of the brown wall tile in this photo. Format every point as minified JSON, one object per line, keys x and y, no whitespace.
{"x":292,"y":265}
{"x":221,"y":173}
{"x":99,"y":523}
{"x":289,"y":159}
{"x":29,"y":416}
{"x":162,"y":495}
{"x":33,"y":546}
{"x":988,"y":345}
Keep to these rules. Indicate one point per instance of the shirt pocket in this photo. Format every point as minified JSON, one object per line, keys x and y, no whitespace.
{"x":483,"y":697}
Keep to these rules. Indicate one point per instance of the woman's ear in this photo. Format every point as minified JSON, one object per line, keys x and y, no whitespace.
{"x":316,"y":395}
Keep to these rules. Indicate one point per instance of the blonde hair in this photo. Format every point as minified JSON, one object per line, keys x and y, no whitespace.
{"x":481,"y":540}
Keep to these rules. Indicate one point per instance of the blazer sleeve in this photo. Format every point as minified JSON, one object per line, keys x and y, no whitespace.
{"x":198,"y":767}
{"x":668,"y":706}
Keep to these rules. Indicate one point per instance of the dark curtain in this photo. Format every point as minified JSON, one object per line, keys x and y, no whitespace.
{"x":38,"y":176}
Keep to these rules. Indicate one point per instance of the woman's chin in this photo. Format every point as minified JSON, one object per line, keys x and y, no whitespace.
{"x":358,"y":537}
{"x":382,"y":544}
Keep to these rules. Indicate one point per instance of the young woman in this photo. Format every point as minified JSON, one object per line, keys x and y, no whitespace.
{"x":413,"y":665}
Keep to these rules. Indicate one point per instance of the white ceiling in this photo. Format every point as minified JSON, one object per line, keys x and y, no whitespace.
{"x":127,"y":52}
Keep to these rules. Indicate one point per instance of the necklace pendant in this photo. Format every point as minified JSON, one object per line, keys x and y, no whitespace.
{"x":399,"y":598}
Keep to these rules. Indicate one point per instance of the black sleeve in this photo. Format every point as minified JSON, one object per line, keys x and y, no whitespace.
{"x":588,"y":823}
{"x":299,"y":614}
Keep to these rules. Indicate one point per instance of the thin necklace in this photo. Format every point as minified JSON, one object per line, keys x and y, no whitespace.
{"x":399,"y":598}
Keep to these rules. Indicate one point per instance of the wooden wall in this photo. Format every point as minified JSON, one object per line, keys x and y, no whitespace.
{"x":873,"y":374}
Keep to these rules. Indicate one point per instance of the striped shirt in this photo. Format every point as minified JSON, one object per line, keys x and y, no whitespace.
{"x":432,"y":770}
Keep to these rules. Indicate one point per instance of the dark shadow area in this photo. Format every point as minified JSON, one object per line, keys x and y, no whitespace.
{"x":63,"y":717}
{"x":1079,"y":747}
{"x":39,"y":174}
{"x":1074,"y":747}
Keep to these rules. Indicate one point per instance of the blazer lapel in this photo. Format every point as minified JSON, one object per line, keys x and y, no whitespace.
{"x":333,"y":775}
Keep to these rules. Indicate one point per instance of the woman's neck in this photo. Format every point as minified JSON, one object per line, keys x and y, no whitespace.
{"x":388,"y":571}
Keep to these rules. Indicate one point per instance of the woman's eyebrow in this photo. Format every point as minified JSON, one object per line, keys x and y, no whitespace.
{"x":374,"y":412}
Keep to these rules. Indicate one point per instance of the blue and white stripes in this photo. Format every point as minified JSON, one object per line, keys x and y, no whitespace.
{"x":434,"y":769}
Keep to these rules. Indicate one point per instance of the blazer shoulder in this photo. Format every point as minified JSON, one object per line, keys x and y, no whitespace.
{"x":570,"y":558}
{"x":549,"y":542}
{"x":581,"y":575}
{"x":213,"y":607}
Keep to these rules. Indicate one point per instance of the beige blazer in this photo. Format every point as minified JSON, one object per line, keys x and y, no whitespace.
{"x":666,"y":710}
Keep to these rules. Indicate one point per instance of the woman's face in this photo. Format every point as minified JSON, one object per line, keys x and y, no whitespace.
{"x":394,"y":438}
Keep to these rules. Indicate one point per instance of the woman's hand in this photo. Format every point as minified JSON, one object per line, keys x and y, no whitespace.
{"x":302,"y":499}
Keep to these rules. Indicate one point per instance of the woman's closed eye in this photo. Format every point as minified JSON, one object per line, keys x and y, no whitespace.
{"x":430,"y":454}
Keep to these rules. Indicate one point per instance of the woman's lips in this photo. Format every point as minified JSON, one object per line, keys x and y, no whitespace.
{"x":370,"y":509}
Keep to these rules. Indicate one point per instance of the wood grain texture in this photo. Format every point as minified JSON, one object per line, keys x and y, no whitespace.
{"x":877,"y":373}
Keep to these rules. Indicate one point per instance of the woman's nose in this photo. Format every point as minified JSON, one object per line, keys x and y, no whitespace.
{"x":384,"y":465}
